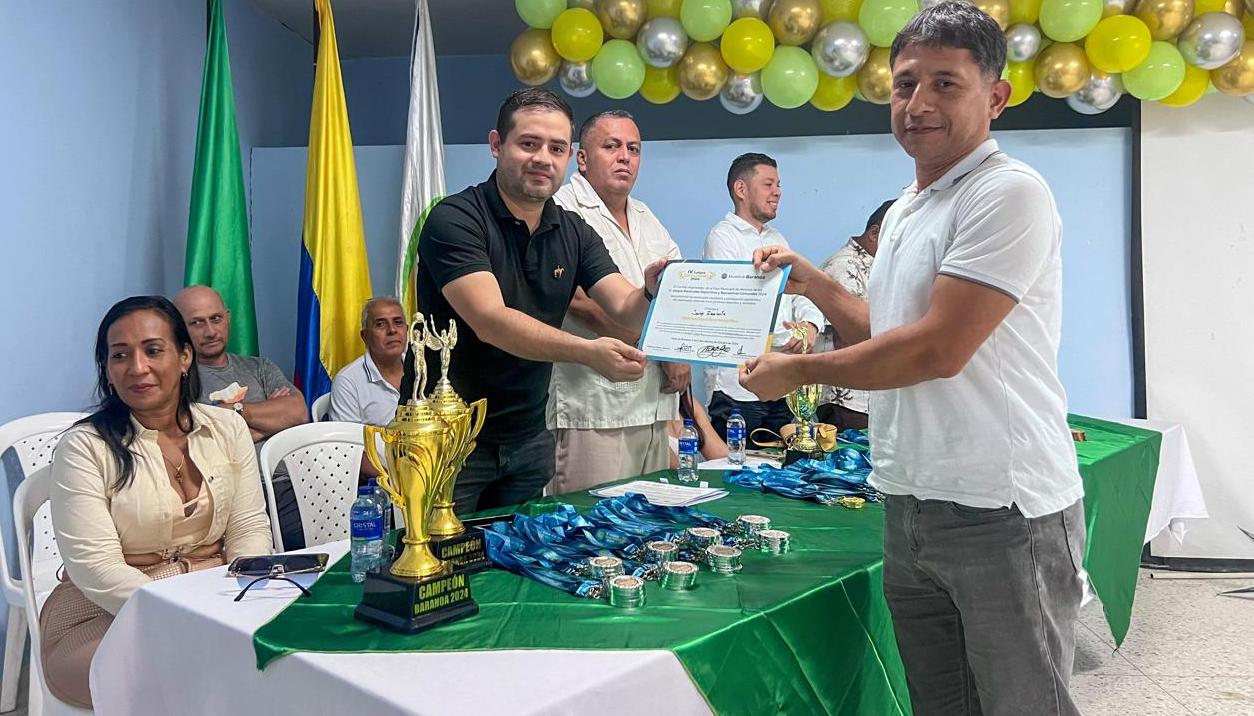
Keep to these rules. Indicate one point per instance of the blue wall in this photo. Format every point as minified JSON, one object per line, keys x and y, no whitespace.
{"x":830,"y":185}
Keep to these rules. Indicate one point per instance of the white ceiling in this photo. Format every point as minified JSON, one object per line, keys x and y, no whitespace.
{"x":382,"y":28}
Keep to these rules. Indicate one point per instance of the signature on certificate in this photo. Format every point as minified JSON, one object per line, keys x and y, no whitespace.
{"x":716,"y":350}
{"x":684,"y":348}
{"x":710,"y":312}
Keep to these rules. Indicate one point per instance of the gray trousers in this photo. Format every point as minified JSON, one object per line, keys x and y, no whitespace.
{"x":984,"y":605}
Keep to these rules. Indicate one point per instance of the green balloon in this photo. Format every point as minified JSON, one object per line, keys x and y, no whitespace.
{"x":539,"y":13}
{"x":1069,"y":20}
{"x":881,"y":20}
{"x":619,"y":69}
{"x":705,"y":20}
{"x":790,"y":78}
{"x":1158,"y":76}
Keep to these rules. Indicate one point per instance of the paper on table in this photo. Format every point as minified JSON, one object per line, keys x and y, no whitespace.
{"x":663,"y":494}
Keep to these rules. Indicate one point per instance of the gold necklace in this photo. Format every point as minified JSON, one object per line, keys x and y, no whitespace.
{"x":178,"y":469}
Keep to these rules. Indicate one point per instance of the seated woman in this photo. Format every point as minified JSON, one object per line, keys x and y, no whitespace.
{"x":709,"y":443}
{"x":149,"y":486}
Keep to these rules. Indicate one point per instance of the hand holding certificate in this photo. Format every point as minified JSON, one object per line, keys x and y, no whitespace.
{"x":713,"y":312}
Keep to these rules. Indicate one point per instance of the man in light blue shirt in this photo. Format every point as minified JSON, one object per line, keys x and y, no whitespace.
{"x":367,"y":390}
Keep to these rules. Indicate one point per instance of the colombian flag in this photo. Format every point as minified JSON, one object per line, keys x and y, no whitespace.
{"x":334,"y":274}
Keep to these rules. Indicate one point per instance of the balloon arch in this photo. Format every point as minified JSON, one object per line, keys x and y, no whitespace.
{"x":827,"y":52}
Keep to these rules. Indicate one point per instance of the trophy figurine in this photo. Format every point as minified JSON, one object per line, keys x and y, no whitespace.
{"x":466,"y":551}
{"x":418,"y":590}
{"x":804,"y":403}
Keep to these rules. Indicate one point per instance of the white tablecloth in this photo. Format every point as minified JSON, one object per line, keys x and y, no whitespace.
{"x":181,"y":646}
{"x":1177,"y":490}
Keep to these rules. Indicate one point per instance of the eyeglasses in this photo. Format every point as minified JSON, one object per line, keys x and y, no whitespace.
{"x":280,"y":573}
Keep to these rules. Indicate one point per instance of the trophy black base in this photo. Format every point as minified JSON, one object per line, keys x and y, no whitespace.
{"x":466,"y":552}
{"x":791,"y":456}
{"x":409,"y":606}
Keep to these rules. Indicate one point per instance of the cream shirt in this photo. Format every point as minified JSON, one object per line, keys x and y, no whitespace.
{"x":580,"y":397}
{"x":995,"y":434}
{"x":735,"y":239}
{"x":96,"y":525}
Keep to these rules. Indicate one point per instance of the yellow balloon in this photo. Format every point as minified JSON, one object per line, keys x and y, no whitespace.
{"x":1237,"y":77}
{"x":661,"y":84}
{"x":833,"y":92}
{"x":1165,"y":18}
{"x":794,"y":22}
{"x":621,"y":18}
{"x":663,"y":8}
{"x":1022,"y":81}
{"x":1247,"y":21}
{"x":999,"y":10}
{"x":1232,"y":7}
{"x":1024,"y":11}
{"x":1196,"y":81}
{"x":1118,"y":43}
{"x":533,"y":58}
{"x":702,"y":71}
{"x":577,"y":35}
{"x":875,"y":79}
{"x":843,"y":10}
{"x":1061,"y":68}
{"x":747,"y":45}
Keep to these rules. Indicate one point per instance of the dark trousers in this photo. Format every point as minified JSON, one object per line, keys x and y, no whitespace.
{"x":840,"y":416}
{"x":771,"y":414}
{"x":984,"y":605}
{"x":497,"y":475}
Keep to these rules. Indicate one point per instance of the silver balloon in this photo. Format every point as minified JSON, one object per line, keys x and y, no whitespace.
{"x":840,"y":48}
{"x":1023,"y":42}
{"x":576,"y":78}
{"x":585,"y":4}
{"x":742,"y":94}
{"x":750,"y":8}
{"x":1118,"y":7}
{"x":662,"y":41}
{"x":1098,"y":95}
{"x":925,"y":4}
{"x":1211,"y":40}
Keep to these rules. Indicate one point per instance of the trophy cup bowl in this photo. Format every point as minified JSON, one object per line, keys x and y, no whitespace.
{"x":465,"y":422}
{"x":803,"y":402}
{"x":417,"y":451}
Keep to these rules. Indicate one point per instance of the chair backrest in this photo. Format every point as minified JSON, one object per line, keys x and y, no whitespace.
{"x":321,"y":406}
{"x":32,"y":440}
{"x":324,"y":462}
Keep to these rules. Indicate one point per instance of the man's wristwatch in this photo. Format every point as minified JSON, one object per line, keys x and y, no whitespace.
{"x":239,"y":407}
{"x":648,"y":295}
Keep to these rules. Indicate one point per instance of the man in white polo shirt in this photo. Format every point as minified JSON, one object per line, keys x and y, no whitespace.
{"x":608,"y":430}
{"x":984,"y":524}
{"x":754,"y":185}
{"x":367,"y":390}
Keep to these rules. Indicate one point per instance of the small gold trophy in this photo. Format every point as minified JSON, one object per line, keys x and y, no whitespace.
{"x":419,"y":590}
{"x":804,"y":403}
{"x":466,"y":551}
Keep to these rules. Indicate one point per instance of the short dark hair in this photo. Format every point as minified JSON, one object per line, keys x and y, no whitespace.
{"x":531,"y":98}
{"x":591,"y":122}
{"x":960,"y":25}
{"x":742,"y":166}
{"x":877,"y":217}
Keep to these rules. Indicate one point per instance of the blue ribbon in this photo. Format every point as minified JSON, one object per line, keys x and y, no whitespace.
{"x":843,"y":473}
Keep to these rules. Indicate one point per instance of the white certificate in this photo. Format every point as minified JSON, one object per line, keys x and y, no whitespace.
{"x":713,"y":312}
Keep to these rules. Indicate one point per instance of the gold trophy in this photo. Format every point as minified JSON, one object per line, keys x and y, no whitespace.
{"x":419,"y":590}
{"x":804,"y":403}
{"x":466,"y":551}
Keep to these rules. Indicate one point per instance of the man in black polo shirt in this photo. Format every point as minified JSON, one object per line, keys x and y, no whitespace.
{"x":503,"y":260}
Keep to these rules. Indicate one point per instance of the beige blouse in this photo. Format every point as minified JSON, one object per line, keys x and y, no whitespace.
{"x":96,"y":525}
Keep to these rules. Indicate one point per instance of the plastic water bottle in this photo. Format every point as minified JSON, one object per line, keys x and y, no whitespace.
{"x":366,"y":520}
{"x":736,"y":438}
{"x":688,"y":452}
{"x":385,"y":504}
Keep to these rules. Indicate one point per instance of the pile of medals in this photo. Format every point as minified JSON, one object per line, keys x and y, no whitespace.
{"x":838,"y":479}
{"x":625,"y":542}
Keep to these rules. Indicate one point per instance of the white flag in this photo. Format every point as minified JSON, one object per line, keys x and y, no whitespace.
{"x":423,"y":183}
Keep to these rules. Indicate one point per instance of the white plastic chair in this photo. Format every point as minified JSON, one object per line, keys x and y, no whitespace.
{"x":32,"y":440}
{"x":39,"y":559}
{"x":324,"y":462}
{"x":321,"y":406}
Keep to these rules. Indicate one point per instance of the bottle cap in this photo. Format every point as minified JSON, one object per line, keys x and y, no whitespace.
{"x":688,"y":422}
{"x":365,"y":490}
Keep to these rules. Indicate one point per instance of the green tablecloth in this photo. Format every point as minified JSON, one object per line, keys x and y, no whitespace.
{"x":806,"y":632}
{"x":1119,"y":464}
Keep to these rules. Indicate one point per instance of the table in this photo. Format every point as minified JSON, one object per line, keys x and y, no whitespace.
{"x":815,"y":637}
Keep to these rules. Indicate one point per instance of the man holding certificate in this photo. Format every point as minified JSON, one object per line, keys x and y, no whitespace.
{"x":984,"y":524}
{"x":754,"y":186}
